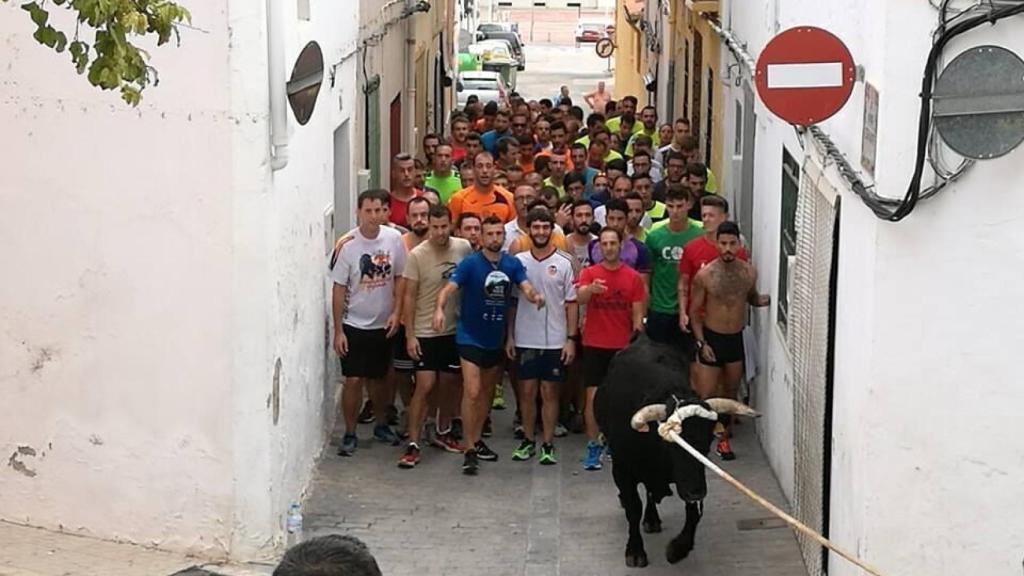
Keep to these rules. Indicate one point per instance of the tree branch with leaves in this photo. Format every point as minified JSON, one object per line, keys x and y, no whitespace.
{"x":112,"y":59}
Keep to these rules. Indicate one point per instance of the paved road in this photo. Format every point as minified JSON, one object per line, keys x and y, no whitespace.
{"x":550,"y":66}
{"x":522,"y":519}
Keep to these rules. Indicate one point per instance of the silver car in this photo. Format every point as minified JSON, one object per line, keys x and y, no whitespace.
{"x":487,"y":86}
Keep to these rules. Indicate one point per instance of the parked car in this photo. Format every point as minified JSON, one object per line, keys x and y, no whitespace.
{"x":486,"y":86}
{"x":514,"y":41}
{"x":591,"y":31}
{"x":496,"y":56}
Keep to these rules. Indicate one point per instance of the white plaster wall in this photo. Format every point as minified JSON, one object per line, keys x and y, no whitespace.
{"x":148,"y":302}
{"x":115,"y":331}
{"x":926,"y":324}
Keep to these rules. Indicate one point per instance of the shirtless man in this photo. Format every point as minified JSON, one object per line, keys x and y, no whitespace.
{"x":598,"y":99}
{"x":718,"y":312}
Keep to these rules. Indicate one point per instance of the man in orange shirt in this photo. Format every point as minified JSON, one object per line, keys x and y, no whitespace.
{"x":559,"y":140}
{"x":484,"y":197}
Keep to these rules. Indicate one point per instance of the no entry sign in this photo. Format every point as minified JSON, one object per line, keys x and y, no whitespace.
{"x":805,"y":75}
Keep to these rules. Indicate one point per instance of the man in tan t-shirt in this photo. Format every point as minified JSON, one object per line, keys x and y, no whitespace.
{"x":434,"y":353}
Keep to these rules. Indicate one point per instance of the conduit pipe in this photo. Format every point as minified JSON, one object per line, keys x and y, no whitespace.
{"x":277,"y":86}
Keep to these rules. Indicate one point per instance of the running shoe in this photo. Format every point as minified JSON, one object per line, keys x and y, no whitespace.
{"x":447,"y":443}
{"x":484,"y":452}
{"x":457,"y":428}
{"x":488,"y":428}
{"x":470,"y":463}
{"x":499,"y":398}
{"x":525,"y":451}
{"x":384,"y":433}
{"x":724,"y":450}
{"x":592,"y":460}
{"x":366,"y":414}
{"x":348,"y":445}
{"x":411,"y":457}
{"x":547,"y":454}
{"x":560,"y":431}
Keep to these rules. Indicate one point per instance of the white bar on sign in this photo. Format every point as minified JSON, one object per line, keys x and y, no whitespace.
{"x":816,"y":75}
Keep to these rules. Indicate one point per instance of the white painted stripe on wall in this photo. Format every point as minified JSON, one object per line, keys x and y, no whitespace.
{"x":817,"y":75}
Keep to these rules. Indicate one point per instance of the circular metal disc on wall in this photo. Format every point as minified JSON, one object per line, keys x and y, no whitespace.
{"x":304,"y":85}
{"x":978,"y":102}
{"x":605,"y":47}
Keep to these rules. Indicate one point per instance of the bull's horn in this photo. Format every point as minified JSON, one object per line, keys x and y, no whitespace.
{"x":651,"y":413}
{"x":729,"y":406}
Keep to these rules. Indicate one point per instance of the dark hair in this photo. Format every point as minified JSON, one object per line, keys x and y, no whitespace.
{"x":437,"y":211}
{"x":572,"y":178}
{"x":673,"y":155}
{"x":536,"y":203}
{"x":627,"y":118}
{"x":715,"y":202}
{"x":581,"y":202}
{"x":618,"y":234}
{"x":617,"y":164}
{"x":373,"y":194}
{"x":474,"y":136}
{"x":430,"y":135}
{"x":595,"y":118}
{"x":689,"y":144}
{"x":640,"y":176}
{"x":683,"y":121}
{"x":465,"y":216}
{"x":631,"y":99}
{"x":546,"y":103}
{"x":417,"y":200}
{"x":578,"y":145}
{"x":459,"y":118}
{"x":548,"y":192}
{"x":642,"y":139}
{"x":728,"y":227}
{"x":632,"y":196}
{"x":514,"y":168}
{"x":677,"y":192}
{"x":491,"y":108}
{"x":557,"y":125}
{"x":539,"y":214}
{"x":617,"y":204}
{"x":504,"y":143}
{"x":576,"y":112}
{"x":641,"y":153}
{"x":610,"y":106}
{"x":646,"y":108}
{"x":331,"y":554}
{"x":697,"y":169}
{"x":565,"y":101}
{"x":504,"y":113}
{"x":492,"y":220}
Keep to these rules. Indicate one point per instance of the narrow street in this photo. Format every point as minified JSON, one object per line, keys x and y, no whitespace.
{"x":522,"y":519}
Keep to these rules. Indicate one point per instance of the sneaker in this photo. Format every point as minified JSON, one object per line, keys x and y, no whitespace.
{"x":499,"y":398}
{"x":447,"y":443}
{"x":592,"y":460}
{"x":411,"y":457}
{"x":469,"y":463}
{"x":560,"y":431}
{"x":525,"y":451}
{"x":484,"y":452}
{"x":518,"y":432}
{"x":348,"y":445}
{"x":724,"y":450}
{"x":547,"y":454}
{"x":384,"y":433}
{"x":366,"y":414}
{"x":488,"y":429}
{"x":457,"y":428}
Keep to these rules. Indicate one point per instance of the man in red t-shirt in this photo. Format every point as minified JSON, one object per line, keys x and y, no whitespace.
{"x":614,"y":295}
{"x":403,"y":188}
{"x":700,"y":252}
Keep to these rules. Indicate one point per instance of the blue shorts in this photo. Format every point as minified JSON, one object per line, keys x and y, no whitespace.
{"x":544,"y":365}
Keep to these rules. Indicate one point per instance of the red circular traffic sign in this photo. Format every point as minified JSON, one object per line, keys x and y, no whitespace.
{"x":805,"y":75}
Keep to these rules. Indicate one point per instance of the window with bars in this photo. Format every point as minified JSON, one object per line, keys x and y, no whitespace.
{"x":787,"y":234}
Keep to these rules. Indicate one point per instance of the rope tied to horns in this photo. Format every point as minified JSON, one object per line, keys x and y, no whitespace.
{"x":670,"y":431}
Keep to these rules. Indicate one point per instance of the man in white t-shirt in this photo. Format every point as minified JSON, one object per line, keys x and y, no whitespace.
{"x":541,"y":341}
{"x":366,"y":314}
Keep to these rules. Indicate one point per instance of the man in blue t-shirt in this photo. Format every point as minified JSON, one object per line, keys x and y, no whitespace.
{"x":486,"y":279}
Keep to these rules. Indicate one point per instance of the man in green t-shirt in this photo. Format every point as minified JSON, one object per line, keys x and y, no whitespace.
{"x":665,"y":244}
{"x":443,"y":179}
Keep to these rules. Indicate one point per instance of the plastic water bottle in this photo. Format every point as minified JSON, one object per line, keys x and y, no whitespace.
{"x":293,"y":525}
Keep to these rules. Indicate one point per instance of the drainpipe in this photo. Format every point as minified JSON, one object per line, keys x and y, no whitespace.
{"x":276,"y":85}
{"x":410,"y":84}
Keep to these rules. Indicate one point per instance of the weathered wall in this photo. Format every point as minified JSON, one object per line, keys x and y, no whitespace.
{"x":925,"y":328}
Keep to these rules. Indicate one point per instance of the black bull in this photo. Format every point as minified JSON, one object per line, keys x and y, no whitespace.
{"x":643,"y":374}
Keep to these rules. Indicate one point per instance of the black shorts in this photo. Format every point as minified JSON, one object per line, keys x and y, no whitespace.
{"x":728,"y":348}
{"x":595,"y":365}
{"x":438,"y":354}
{"x":402,"y":362}
{"x":543,"y":365}
{"x":482,"y":357}
{"x":369,"y":353}
{"x":664,"y":328}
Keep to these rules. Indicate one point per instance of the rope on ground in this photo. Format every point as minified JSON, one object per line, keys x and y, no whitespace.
{"x":674,"y":436}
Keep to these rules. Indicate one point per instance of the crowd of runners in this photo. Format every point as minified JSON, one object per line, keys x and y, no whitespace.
{"x":535,"y":241}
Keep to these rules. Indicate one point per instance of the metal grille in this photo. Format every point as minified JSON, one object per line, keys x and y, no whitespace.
{"x":809,"y":344}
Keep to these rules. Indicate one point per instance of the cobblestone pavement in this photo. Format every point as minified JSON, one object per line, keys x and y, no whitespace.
{"x":520,"y":518}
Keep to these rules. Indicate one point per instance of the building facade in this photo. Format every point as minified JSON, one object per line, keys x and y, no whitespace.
{"x":166,"y":364}
{"x":882,"y":335}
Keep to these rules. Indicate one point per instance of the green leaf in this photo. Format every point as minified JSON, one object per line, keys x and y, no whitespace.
{"x":36,"y":12}
{"x":62,"y":42}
